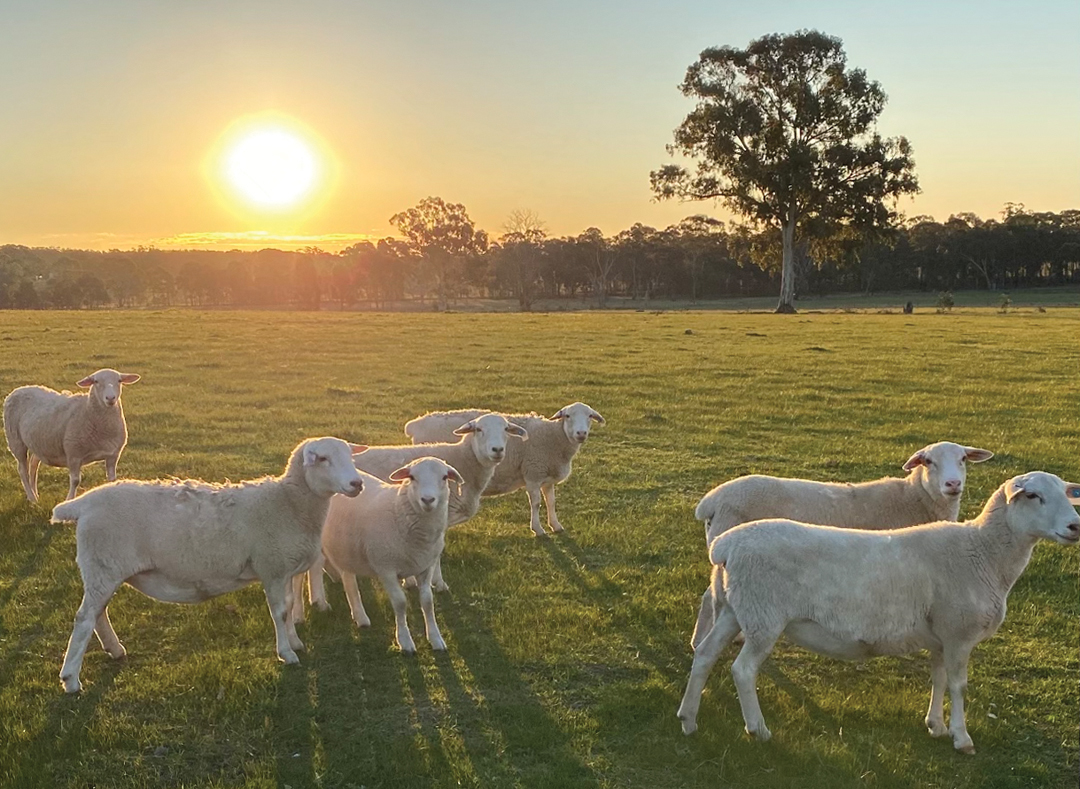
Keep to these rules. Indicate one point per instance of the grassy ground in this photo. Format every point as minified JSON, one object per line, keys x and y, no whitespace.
{"x":567,"y":655}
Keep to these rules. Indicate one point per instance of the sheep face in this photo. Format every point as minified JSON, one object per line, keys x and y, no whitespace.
{"x":577,"y":419}
{"x":944,"y":468}
{"x":1040,"y":506}
{"x":329,"y":469}
{"x":428,"y":482}
{"x":489,"y":436}
{"x":105,"y":385}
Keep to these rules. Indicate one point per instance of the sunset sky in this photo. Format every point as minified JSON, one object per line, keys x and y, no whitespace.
{"x":116,"y":114}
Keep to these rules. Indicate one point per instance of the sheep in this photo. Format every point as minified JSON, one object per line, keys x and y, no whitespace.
{"x":67,"y":430}
{"x":537,"y":466}
{"x":391,"y":531}
{"x":930,"y":492}
{"x":187,"y":541}
{"x":480,"y":445}
{"x":854,"y":594}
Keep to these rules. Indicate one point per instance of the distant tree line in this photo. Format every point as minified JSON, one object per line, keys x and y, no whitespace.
{"x":441,"y":258}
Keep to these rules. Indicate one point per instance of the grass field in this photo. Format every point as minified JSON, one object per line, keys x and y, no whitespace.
{"x":567,"y":655}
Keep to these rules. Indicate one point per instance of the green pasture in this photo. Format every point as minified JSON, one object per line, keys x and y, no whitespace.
{"x":567,"y":655}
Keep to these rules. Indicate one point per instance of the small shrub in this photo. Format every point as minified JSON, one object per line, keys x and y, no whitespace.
{"x":945,"y":301}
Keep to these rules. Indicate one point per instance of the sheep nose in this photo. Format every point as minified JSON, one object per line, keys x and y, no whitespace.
{"x":581,"y":435}
{"x":110,"y":400}
{"x":952,"y":484}
{"x":1074,"y":527}
{"x":427,"y":500}
{"x":497,"y":450}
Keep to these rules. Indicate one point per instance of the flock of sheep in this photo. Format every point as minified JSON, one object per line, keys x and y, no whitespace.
{"x":850,"y":571}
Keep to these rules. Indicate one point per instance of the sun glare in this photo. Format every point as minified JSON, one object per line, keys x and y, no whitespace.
{"x":271,"y":167}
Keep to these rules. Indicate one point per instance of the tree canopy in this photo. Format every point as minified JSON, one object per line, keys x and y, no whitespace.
{"x":784,"y":134}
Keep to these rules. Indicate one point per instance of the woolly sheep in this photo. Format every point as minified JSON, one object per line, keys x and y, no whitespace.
{"x":479,"y":446}
{"x":930,"y":492}
{"x":538,"y":466}
{"x":854,"y":594}
{"x":187,"y":541}
{"x":67,"y":430}
{"x":392,"y":531}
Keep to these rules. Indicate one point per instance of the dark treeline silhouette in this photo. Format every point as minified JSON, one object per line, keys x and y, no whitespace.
{"x":443,"y":259}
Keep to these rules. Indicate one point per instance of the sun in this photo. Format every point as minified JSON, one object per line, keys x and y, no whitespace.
{"x":271,"y":167}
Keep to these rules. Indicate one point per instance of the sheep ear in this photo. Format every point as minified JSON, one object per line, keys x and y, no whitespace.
{"x":87,"y":381}
{"x":454,"y":475}
{"x":595,"y":416}
{"x":517,"y":430}
{"x":129,"y":378}
{"x":310,"y":456}
{"x":1072,"y":492}
{"x":1014,"y":487}
{"x":356,"y":449}
{"x":976,"y":455}
{"x":400,"y":475}
{"x":560,"y":414}
{"x":918,"y":459}
{"x":468,"y":427}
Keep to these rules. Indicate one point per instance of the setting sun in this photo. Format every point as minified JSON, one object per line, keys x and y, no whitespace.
{"x":271,"y":167}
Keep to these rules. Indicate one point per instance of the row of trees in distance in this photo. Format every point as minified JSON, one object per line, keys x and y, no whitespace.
{"x":441,"y":258}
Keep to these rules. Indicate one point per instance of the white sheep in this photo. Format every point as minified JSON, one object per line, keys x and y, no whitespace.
{"x":67,"y":430}
{"x":930,"y":492}
{"x":393,"y":531}
{"x":187,"y":541}
{"x":479,"y":445}
{"x":538,"y":466}
{"x":855,"y":594}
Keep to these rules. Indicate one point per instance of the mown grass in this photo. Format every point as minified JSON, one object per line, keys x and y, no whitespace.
{"x":568,"y":655}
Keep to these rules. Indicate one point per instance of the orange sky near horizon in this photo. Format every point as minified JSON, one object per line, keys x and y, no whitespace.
{"x":117,"y":111}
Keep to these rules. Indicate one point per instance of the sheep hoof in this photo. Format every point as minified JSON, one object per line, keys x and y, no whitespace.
{"x":118,"y":653}
{"x":365,"y":622}
{"x":439,"y":646}
{"x":762,"y":733}
{"x":689,"y":726}
{"x":539,"y":532}
{"x":556,"y":528}
{"x":321,"y":605}
{"x":441,"y":586}
{"x":289,"y":658}
{"x":71,"y":684}
{"x":936,"y":728}
{"x":968,"y":749}
{"x":408,"y":651}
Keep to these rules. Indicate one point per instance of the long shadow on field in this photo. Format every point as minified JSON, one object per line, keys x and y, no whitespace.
{"x":29,"y":566}
{"x":65,"y":732}
{"x":295,"y":736}
{"x":464,"y":718}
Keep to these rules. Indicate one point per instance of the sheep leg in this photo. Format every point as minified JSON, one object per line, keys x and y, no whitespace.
{"x":110,"y":468}
{"x":705,"y":657}
{"x":549,"y":503}
{"x":400,"y":603}
{"x":706,"y":617}
{"x":356,"y":606}
{"x":35,"y":464}
{"x":292,"y":586}
{"x":296,"y":606}
{"x":534,"y":507}
{"x":427,"y":605}
{"x":24,"y":458}
{"x":316,"y":587}
{"x":276,"y":591}
{"x":956,"y":660}
{"x":745,"y":671}
{"x":935,"y":716}
{"x":107,"y":636}
{"x":75,"y":474}
{"x":437,"y":581}
{"x":95,"y":597}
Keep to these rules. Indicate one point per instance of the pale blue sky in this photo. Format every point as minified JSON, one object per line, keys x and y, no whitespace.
{"x":111,"y":108}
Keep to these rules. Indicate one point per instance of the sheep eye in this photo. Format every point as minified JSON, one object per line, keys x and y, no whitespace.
{"x":445,"y":477}
{"x":1034,"y":496}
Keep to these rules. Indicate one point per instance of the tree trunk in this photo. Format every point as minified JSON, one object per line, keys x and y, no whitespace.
{"x":787,"y":271}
